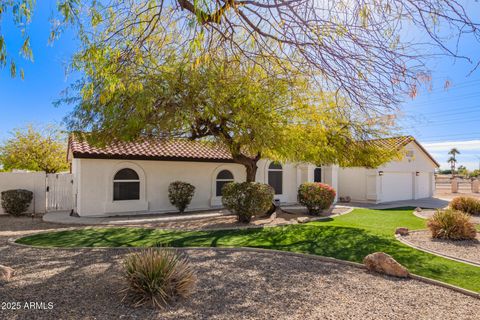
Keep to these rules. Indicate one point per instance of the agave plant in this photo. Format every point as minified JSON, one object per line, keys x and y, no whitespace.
{"x":157,"y":276}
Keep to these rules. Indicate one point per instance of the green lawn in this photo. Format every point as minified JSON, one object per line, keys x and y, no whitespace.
{"x":348,"y":237}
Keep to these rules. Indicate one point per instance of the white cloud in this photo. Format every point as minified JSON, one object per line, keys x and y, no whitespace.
{"x":469,"y":145}
{"x":469,"y":151}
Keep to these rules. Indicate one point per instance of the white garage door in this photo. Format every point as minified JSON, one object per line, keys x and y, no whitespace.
{"x":396,"y":186}
{"x":423,"y":185}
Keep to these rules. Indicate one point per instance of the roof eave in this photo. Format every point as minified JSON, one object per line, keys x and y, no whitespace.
{"x":80,"y":155}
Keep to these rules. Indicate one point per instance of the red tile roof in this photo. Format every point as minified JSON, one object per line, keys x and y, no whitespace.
{"x":153,"y":149}
{"x":397,"y":143}
{"x":393,"y":143}
{"x":187,"y":150}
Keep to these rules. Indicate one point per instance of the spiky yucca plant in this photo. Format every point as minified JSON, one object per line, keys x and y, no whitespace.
{"x":451,"y":225}
{"x":157,"y":276}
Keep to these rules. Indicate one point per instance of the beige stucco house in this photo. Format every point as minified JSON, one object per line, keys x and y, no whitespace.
{"x":131,"y":178}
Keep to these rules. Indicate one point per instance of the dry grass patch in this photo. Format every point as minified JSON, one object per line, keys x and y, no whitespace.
{"x":466,"y":204}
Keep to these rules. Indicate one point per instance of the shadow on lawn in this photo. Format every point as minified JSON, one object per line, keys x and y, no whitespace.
{"x":340,"y":242}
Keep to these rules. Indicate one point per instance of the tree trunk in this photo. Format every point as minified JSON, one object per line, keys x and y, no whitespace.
{"x":251,"y":171}
{"x":250,"y":165}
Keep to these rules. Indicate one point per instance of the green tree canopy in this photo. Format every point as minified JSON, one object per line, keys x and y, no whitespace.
{"x":35,"y":150}
{"x":237,"y":103}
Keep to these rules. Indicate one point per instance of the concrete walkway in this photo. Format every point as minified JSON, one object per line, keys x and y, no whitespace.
{"x":431,"y":203}
{"x":63,"y":217}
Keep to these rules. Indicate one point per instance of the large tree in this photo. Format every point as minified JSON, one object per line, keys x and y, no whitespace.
{"x":253,"y":112}
{"x":369,"y":51}
{"x":35,"y":149}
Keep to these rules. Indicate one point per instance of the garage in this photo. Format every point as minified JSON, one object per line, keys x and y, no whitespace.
{"x":423,"y":185}
{"x":396,"y":186}
{"x":411,"y":176}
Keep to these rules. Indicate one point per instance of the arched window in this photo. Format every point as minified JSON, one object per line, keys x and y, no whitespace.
{"x":317,"y":175}
{"x":275,"y":177}
{"x":223,"y":177}
{"x":126,"y":185}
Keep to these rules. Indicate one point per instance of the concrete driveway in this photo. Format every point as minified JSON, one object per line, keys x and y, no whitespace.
{"x":431,"y":203}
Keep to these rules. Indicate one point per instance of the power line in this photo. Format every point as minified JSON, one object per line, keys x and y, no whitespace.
{"x":444,"y":99}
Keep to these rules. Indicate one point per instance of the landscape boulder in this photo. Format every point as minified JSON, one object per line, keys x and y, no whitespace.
{"x":303,"y":219}
{"x":6,"y":273}
{"x":418,"y":209}
{"x":402,"y":231}
{"x":383,"y":263}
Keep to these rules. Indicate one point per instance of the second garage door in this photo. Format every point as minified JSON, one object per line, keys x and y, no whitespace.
{"x":423,"y":185}
{"x":396,"y":186}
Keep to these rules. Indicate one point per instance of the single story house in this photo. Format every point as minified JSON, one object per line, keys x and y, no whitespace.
{"x":133,"y":177}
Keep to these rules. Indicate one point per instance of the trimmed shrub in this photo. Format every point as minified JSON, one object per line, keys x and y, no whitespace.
{"x":16,"y":202}
{"x":157,"y":276}
{"x":316,"y":196}
{"x":247,"y":199}
{"x":466,"y":204}
{"x":451,"y":225}
{"x":180,"y":194}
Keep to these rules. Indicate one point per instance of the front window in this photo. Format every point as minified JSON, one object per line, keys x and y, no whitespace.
{"x":223,"y":177}
{"x":275,"y":177}
{"x":126,"y":185}
{"x":317,"y":175}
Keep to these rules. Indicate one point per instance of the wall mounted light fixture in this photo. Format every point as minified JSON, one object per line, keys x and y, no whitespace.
{"x":417,"y":173}
{"x":380,"y":173}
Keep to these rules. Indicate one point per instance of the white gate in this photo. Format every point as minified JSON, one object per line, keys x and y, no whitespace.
{"x":59,"y":191}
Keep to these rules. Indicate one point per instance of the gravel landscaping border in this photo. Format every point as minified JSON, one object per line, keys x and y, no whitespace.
{"x":403,"y":240}
{"x":11,"y":241}
{"x":232,"y":284}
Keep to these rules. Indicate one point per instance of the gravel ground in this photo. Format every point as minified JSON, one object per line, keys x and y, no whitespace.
{"x":83,"y":284}
{"x":429,"y":213}
{"x":468,"y":250}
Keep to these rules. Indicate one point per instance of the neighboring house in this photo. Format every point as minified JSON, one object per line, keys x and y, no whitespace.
{"x":134,"y":177}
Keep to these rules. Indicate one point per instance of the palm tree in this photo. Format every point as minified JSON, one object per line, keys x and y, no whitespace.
{"x":453,"y":160}
{"x":454,"y":152}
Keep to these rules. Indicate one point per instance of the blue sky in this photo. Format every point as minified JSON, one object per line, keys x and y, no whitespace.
{"x":440,"y":119}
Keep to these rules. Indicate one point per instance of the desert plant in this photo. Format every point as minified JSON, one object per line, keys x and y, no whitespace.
{"x":180,"y":194}
{"x":451,"y":225}
{"x":315,"y":196}
{"x":157,"y":276}
{"x":466,"y":204}
{"x":247,"y":199}
{"x":16,"y":202}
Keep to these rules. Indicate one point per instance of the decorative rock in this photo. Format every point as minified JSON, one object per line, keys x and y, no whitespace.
{"x":303,"y":219}
{"x":6,"y":273}
{"x":418,"y":209}
{"x":345,"y":199}
{"x":383,"y":263}
{"x":273,"y":216}
{"x":402,"y":231}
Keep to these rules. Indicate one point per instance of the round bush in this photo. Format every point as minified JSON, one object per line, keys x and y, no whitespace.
{"x":466,"y":204}
{"x":180,"y":194}
{"x":247,"y":199}
{"x":451,"y":225}
{"x":16,"y":202}
{"x":316,"y":196}
{"x":157,"y":276}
